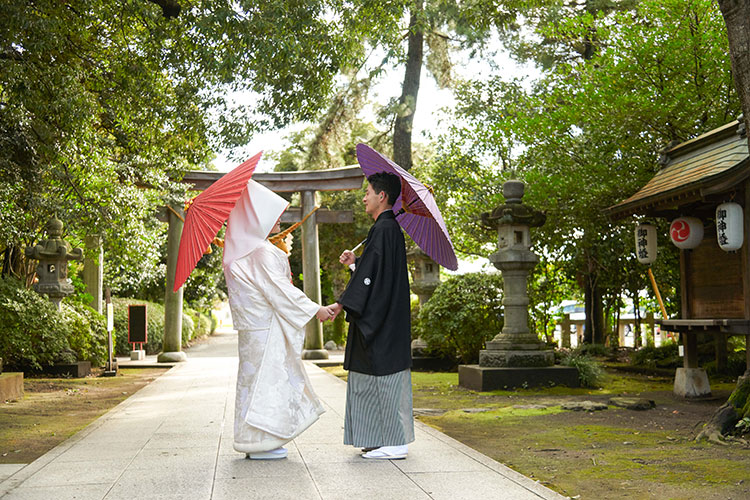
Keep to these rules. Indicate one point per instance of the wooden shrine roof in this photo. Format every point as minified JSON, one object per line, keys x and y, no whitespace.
{"x":711,"y":163}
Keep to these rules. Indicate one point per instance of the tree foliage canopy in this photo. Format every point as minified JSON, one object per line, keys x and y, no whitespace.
{"x":99,"y":99}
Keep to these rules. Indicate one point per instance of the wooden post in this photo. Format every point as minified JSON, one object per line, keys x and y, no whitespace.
{"x":652,"y":325}
{"x":579,"y":332}
{"x":565,"y":331}
{"x":92,"y":271}
{"x":690,"y":344}
{"x":313,"y":348}
{"x":172,"y":346}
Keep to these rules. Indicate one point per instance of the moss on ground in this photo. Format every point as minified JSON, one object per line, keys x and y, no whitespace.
{"x":615,"y":453}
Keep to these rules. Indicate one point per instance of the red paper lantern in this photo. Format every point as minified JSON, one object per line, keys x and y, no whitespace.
{"x":686,"y":232}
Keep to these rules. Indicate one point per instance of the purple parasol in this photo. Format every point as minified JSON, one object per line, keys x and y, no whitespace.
{"x":416,"y":210}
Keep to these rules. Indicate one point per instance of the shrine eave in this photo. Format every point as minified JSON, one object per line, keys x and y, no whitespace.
{"x":710,"y":164}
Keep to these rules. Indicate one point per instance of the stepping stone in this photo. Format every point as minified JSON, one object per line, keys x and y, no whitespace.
{"x":632,"y":403}
{"x":530,"y":407}
{"x":584,"y":406}
{"x":429,"y":412}
{"x":476,"y":410}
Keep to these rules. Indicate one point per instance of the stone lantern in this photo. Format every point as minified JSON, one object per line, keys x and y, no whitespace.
{"x":53,"y":255}
{"x":425,"y":279}
{"x":425,"y":275}
{"x":514,"y":357}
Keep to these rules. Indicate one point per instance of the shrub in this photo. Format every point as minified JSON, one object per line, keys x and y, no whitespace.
{"x":736,"y":365}
{"x":599,"y":350}
{"x":188,"y":328}
{"x":33,"y":331}
{"x":155,"y":328}
{"x":203,"y":325}
{"x":590,"y":372}
{"x":462,"y":314}
{"x":86,"y":332}
{"x":214,"y":322}
{"x":664,"y":356}
{"x":194,"y":324}
{"x":335,"y":330}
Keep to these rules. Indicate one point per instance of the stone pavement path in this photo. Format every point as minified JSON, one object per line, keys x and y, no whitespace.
{"x":173,"y":440}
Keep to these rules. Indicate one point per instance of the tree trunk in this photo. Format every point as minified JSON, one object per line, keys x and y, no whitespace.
{"x":407,"y":104}
{"x":598,"y":310}
{"x":726,"y":417}
{"x":736,"y":14}
{"x":593,"y":330}
{"x":588,"y":306}
{"x":14,"y":263}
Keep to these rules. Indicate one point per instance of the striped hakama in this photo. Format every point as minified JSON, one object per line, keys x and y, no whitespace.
{"x":378,"y":410}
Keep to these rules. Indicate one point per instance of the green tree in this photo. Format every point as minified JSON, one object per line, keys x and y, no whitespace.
{"x":588,"y":132}
{"x":100,"y":99}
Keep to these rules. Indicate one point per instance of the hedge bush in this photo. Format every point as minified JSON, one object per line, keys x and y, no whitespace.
{"x":87,"y":332}
{"x":462,"y":314}
{"x":194,"y":325}
{"x":35,"y":334}
{"x":154,"y":321}
{"x":664,"y":356}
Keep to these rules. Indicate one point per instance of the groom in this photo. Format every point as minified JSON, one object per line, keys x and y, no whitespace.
{"x":378,"y":347}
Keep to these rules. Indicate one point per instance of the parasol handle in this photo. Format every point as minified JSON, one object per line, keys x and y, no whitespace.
{"x":353,"y":266}
{"x":175,"y":212}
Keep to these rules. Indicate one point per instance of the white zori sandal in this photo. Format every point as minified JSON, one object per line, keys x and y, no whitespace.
{"x":268,"y":455}
{"x":388,"y":453}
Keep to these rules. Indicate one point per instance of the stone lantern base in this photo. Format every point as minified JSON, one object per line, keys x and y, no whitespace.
{"x":516,"y":358}
{"x":485,"y":378}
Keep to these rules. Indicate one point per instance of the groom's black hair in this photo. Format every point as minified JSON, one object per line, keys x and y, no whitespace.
{"x":388,"y":183}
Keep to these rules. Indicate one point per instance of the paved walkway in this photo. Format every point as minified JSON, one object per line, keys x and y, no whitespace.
{"x":173,"y":440}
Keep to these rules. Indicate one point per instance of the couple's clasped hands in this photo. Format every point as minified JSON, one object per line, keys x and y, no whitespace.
{"x":330,"y":312}
{"x":326,"y":313}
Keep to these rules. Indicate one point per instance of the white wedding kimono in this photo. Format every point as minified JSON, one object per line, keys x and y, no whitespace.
{"x":275,"y":401}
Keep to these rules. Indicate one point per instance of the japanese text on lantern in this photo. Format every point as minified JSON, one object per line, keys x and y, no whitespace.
{"x":721,"y":226}
{"x":642,"y":244}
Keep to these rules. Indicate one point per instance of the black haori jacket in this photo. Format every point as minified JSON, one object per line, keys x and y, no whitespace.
{"x":376,"y":302}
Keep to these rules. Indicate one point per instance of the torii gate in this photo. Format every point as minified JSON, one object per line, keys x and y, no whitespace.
{"x":305,"y":182}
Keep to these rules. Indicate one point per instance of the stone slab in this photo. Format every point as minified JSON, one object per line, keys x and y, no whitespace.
{"x":138,"y":355}
{"x":584,"y":406}
{"x":78,"y":369}
{"x":632,"y":403}
{"x":7,"y":470}
{"x":481,"y":378}
{"x":11,"y":386}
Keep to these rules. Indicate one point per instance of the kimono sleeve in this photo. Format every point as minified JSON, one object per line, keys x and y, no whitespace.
{"x":356,"y":297}
{"x":289,"y":303}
